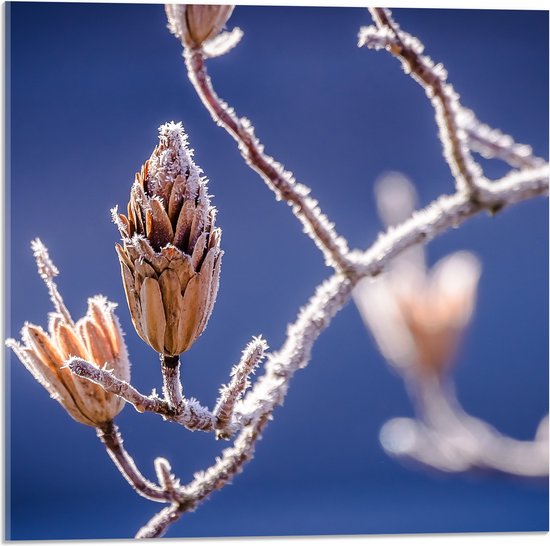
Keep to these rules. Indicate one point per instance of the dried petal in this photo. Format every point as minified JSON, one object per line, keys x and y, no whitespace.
{"x":183,"y":227}
{"x":96,"y":343}
{"x":176,"y":199}
{"x":199,"y":251}
{"x":69,"y":344}
{"x":214,"y":285}
{"x":142,"y":271}
{"x":205,"y":289}
{"x":184,"y":269}
{"x":153,"y":319}
{"x":158,"y":227}
{"x":193,"y":305}
{"x":173,"y":307}
{"x":39,"y":341}
{"x":132,"y":298}
{"x":197,"y":226}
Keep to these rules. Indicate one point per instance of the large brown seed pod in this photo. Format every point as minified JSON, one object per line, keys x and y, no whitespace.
{"x":170,"y":258}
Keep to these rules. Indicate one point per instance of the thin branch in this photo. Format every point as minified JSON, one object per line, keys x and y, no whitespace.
{"x":206,"y":482}
{"x":492,"y":143}
{"x":268,"y":392}
{"x":48,"y":271}
{"x":447,"y":438}
{"x":481,"y":138}
{"x":280,"y":181}
{"x":172,"y":389}
{"x":112,"y":440}
{"x":164,"y":475}
{"x":159,"y":524}
{"x":433,"y":78}
{"x":192,"y":415}
{"x":450,"y":211}
{"x":230,"y":394}
{"x":113,"y":384}
{"x":226,"y":467}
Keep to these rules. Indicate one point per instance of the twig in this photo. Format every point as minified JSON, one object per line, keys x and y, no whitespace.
{"x":48,"y":271}
{"x":117,"y":386}
{"x":172,"y":389}
{"x":280,"y":181}
{"x":192,"y":415}
{"x":481,"y":138}
{"x":230,"y":394}
{"x":164,"y":475}
{"x":158,"y":525}
{"x":447,"y":438}
{"x":208,"y":481}
{"x":450,"y":211}
{"x":443,"y":97}
{"x":112,"y":440}
{"x":492,"y":143}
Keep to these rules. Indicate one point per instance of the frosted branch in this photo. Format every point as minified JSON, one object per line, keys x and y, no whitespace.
{"x":492,"y":143}
{"x":450,"y":211}
{"x":445,"y":437}
{"x":481,"y":138}
{"x":172,"y":389}
{"x":268,"y":392}
{"x":112,"y":440}
{"x":433,"y":78}
{"x":164,"y":475}
{"x":281,"y":182}
{"x":231,"y":393}
{"x":191,"y":415}
{"x":158,"y":525}
{"x":48,"y":271}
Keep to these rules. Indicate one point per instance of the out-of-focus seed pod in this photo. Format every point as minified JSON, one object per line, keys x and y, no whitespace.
{"x":437,"y":312}
{"x":417,"y":316}
{"x":195,"y":24}
{"x":97,"y":338}
{"x":170,"y":259}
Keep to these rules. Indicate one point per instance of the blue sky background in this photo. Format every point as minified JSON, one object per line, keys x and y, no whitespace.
{"x":89,"y":84}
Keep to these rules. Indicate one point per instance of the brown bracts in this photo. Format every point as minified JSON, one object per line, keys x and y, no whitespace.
{"x":97,"y":338}
{"x":170,"y":258}
{"x":196,"y":24}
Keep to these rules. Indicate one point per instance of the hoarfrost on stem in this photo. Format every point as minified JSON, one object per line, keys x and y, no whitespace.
{"x":246,"y":404}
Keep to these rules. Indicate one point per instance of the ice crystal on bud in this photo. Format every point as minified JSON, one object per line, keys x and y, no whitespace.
{"x":97,"y":338}
{"x":170,"y":259}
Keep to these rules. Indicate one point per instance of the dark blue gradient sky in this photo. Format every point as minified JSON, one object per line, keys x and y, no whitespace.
{"x":88,"y":85}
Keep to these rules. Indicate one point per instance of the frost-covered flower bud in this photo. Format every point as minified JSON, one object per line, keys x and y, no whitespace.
{"x":97,"y":338}
{"x":195,"y":24}
{"x":171,"y":257}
